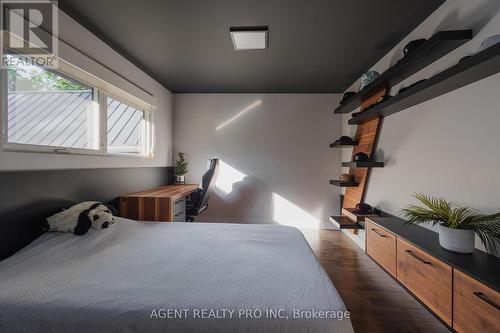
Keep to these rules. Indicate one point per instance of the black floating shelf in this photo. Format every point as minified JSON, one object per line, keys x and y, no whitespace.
{"x":343,"y":184}
{"x":359,"y":164}
{"x":343,"y":222}
{"x":470,"y":70}
{"x":338,"y":145}
{"x":431,"y":50}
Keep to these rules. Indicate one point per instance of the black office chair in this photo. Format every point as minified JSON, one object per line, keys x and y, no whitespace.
{"x":198,"y":202}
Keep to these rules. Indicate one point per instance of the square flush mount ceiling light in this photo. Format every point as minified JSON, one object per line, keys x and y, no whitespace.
{"x":249,"y":38}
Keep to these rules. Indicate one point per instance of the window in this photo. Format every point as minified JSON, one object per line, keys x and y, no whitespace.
{"x":45,"y":108}
{"x":126,"y":130}
{"x":49,"y":111}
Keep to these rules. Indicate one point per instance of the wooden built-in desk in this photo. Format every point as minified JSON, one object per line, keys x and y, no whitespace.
{"x":162,"y":204}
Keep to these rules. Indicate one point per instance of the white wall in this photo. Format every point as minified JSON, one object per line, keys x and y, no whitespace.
{"x":277,"y":155}
{"x":448,"y":146}
{"x":70,"y":32}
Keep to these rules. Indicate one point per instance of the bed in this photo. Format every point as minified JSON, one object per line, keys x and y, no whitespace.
{"x":170,"y":277}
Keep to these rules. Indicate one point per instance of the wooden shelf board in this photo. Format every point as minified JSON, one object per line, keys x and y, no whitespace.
{"x":355,"y":164}
{"x":343,"y":184}
{"x":442,"y":43}
{"x":473,"y":69}
{"x":343,"y":222}
{"x":338,"y":145}
{"x":349,"y":212}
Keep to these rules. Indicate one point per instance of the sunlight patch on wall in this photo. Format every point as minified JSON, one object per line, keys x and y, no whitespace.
{"x":228,"y":176}
{"x":286,"y":213}
{"x":239,"y":114}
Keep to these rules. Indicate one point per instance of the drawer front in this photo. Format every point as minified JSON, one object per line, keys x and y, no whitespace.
{"x":179,"y":217}
{"x":426,"y":277}
{"x":179,"y":206}
{"x":476,"y":307}
{"x":381,"y":246}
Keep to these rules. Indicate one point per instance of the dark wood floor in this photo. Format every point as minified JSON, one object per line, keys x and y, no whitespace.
{"x":376,"y":302}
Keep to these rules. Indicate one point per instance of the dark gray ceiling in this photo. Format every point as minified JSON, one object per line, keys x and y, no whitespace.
{"x":316,"y":46}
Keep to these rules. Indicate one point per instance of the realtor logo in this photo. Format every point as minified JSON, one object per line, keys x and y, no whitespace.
{"x":29,"y":33}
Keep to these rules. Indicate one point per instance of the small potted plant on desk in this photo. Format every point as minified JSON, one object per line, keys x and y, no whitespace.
{"x":181,"y":168}
{"x":457,"y":225}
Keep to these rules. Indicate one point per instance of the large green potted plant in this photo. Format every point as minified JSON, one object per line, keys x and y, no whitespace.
{"x":181,"y":168}
{"x":457,"y":225}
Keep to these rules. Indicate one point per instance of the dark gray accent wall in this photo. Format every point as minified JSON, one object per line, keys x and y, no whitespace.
{"x":27,"y":198}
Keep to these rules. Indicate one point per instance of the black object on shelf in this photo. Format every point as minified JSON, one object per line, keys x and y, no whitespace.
{"x":361,"y":157}
{"x":344,"y":184}
{"x":343,"y":222}
{"x":475,"y":68}
{"x":344,"y":141}
{"x":359,"y":164}
{"x":442,"y":43}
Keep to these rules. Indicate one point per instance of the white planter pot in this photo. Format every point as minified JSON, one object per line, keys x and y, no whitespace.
{"x":180,"y":179}
{"x":456,"y":240}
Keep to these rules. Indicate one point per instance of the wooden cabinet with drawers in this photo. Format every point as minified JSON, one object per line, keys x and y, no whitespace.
{"x":381,"y":246}
{"x":476,"y":308}
{"x":426,"y":277}
{"x":468,"y":303}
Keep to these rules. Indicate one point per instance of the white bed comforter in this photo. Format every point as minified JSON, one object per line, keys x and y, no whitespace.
{"x":131,"y":277}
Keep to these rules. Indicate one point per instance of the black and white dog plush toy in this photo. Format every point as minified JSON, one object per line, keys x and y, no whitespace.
{"x":80,"y":218}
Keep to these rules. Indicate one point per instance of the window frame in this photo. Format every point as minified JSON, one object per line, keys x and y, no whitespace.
{"x":99,"y":98}
{"x":148,"y":116}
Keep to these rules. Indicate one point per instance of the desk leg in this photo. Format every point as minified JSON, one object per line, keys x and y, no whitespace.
{"x":165,"y":210}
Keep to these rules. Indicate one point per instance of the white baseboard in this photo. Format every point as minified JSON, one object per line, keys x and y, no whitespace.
{"x":327,"y":225}
{"x":234,"y":220}
{"x":359,"y":239}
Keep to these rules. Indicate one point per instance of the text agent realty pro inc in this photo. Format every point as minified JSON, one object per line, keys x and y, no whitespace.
{"x":165,"y":313}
